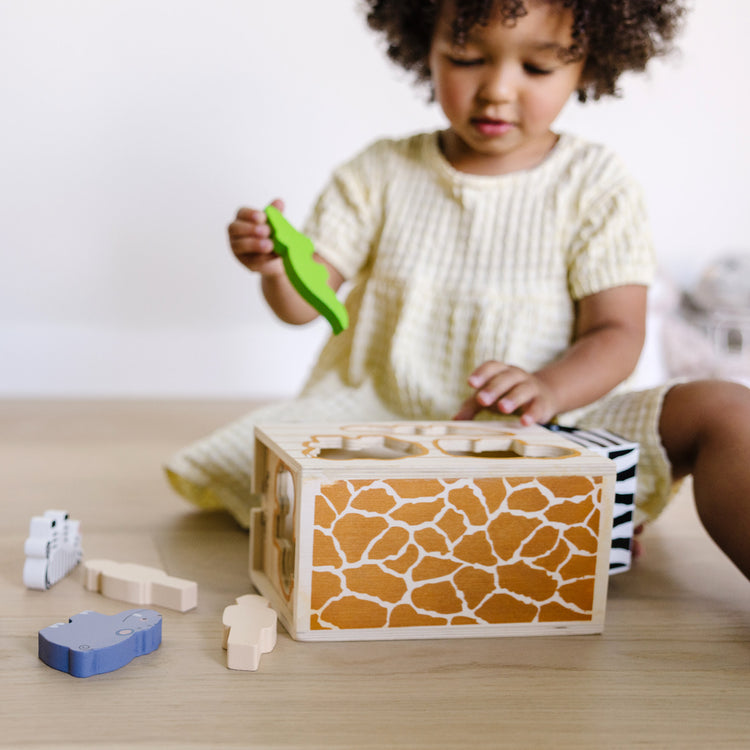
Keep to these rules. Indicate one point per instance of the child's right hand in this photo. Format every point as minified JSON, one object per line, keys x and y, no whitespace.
{"x":249,"y":238}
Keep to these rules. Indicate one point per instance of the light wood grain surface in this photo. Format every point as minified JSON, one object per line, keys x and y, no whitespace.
{"x":672,"y":669}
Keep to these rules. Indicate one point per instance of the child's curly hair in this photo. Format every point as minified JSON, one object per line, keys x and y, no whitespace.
{"x":615,"y":36}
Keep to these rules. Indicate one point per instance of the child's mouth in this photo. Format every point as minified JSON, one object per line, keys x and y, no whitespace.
{"x":487,"y":127}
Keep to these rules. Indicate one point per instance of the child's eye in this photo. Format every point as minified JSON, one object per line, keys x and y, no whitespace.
{"x":535,"y":70}
{"x":465,"y":62}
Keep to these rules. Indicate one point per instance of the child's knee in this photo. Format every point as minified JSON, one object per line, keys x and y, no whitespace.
{"x":729,"y":409}
{"x":701,"y":412}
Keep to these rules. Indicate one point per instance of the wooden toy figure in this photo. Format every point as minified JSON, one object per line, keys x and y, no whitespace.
{"x":441,"y":529}
{"x":308,"y":277}
{"x":249,"y":631}
{"x":53,"y":549}
{"x":91,"y":643}
{"x":140,"y":584}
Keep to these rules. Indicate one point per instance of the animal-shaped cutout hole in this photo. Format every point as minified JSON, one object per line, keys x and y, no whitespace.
{"x":501,"y":447}
{"x":378,"y":447}
{"x":284,"y":526}
{"x":425,"y":429}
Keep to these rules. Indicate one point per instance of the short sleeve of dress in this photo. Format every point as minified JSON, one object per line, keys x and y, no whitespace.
{"x":345,"y":219}
{"x":613,"y":244}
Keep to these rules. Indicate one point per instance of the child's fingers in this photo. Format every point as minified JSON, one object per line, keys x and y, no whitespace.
{"x":251,"y":216}
{"x":252,"y":222}
{"x":517,"y":396}
{"x":241,"y":230}
{"x":540,"y":409}
{"x":533,"y":413}
{"x":468,"y":410}
{"x":251,"y":246}
{"x":256,"y":215}
{"x":509,"y":390}
{"x":250,"y":240}
{"x":485,"y":372}
{"x":491,"y":380}
{"x":506,"y":388}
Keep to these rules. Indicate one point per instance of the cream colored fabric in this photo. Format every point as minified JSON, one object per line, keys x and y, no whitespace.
{"x":635,"y":416}
{"x":447,"y":270}
{"x":450,"y":270}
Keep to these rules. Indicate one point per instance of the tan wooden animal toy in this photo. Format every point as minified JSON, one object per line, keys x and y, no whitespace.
{"x":140,"y":584}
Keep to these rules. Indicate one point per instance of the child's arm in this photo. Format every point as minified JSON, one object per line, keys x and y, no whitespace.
{"x":249,"y":238}
{"x":610,"y":331}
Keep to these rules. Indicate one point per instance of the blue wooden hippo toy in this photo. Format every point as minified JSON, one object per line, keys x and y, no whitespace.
{"x":92,"y":643}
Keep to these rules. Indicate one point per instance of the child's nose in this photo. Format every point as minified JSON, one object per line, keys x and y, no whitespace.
{"x":499,"y":85}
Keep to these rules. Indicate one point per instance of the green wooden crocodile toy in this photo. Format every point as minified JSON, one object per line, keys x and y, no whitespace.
{"x":308,"y":277}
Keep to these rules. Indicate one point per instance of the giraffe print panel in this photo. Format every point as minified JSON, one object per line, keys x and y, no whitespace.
{"x":399,"y":553}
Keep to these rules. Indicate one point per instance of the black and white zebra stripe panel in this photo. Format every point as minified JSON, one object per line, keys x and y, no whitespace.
{"x":625,"y":455}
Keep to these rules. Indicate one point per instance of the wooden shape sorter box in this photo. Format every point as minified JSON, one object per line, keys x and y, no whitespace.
{"x":430,"y":530}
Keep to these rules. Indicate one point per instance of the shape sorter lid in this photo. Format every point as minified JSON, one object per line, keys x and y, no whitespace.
{"x":500,"y":448}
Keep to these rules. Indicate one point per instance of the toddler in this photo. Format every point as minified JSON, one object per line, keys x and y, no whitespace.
{"x":497,"y":266}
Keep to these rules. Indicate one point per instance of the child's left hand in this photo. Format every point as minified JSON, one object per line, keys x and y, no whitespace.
{"x":508,"y":389}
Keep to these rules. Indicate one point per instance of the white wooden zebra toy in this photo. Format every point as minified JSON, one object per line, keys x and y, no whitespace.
{"x":52,"y":549}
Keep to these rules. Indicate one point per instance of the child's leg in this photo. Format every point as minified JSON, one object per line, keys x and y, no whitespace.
{"x":705,"y":430}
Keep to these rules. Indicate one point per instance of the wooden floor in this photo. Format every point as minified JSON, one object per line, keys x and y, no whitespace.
{"x":672,"y":669}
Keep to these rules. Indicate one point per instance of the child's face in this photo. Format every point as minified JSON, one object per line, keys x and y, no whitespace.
{"x":504,"y":87}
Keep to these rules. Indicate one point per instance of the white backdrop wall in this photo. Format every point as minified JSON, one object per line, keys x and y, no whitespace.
{"x":133,"y":129}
